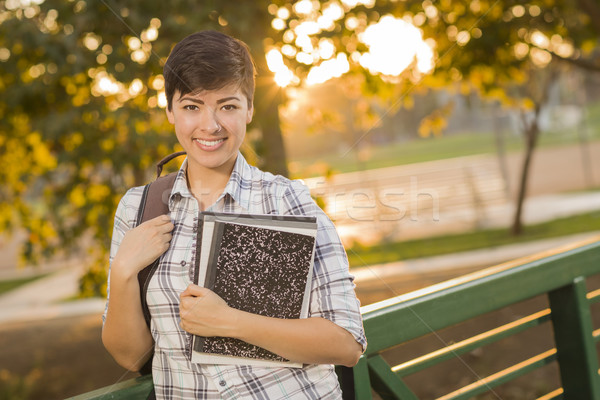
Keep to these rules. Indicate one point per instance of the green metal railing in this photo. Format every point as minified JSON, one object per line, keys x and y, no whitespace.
{"x":560,"y":274}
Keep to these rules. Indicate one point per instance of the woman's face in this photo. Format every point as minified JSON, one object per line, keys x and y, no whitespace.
{"x":210,"y":126}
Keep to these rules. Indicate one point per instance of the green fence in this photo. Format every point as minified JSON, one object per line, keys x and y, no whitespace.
{"x":561,"y":275}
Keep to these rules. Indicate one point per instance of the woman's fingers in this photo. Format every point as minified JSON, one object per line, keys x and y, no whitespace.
{"x":160,"y":221}
{"x":193,"y":290}
{"x":145,"y":243}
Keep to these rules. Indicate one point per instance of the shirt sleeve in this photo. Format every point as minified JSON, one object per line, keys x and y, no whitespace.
{"x":332,"y":292}
{"x":125,"y":217}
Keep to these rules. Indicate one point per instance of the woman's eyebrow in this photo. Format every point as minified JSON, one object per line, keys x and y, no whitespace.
{"x":191,"y":99}
{"x":226,"y":99}
{"x":223,"y":100}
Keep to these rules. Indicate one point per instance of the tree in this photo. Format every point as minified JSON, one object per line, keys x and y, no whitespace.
{"x":81,"y":81}
{"x":81,"y":118}
{"x":500,"y":49}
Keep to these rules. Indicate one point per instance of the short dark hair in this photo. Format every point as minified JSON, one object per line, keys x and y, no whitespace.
{"x":208,"y":60}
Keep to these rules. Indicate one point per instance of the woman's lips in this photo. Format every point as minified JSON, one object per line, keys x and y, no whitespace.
{"x":209,"y":145}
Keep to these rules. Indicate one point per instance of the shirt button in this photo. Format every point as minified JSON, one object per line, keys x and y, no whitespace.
{"x":222,"y":383}
{"x":183,"y":263}
{"x":195,"y":229}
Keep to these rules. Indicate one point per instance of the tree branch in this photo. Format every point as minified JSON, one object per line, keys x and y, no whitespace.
{"x":587,"y":64}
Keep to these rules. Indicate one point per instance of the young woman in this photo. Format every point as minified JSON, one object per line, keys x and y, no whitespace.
{"x":209,"y":82}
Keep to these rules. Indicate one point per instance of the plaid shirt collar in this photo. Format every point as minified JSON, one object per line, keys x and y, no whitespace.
{"x":237,"y":186}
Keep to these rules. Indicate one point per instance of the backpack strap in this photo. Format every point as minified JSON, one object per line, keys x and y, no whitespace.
{"x":154,"y":202}
{"x":165,"y":160}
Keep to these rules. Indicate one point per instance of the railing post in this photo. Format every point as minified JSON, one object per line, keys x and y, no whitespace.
{"x":362,"y":382}
{"x":386,"y":383}
{"x":576,"y":349}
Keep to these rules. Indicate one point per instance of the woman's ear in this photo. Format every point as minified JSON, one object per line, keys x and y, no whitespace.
{"x":170,"y":116}
{"x":250,"y":113}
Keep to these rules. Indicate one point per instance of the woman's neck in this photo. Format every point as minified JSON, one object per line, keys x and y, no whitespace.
{"x":206,"y":184}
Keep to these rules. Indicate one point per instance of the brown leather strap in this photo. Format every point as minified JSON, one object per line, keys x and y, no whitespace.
{"x":154,"y":202}
{"x":165,"y":160}
{"x":157,"y":202}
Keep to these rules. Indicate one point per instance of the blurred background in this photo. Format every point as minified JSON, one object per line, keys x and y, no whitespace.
{"x":440,"y":136}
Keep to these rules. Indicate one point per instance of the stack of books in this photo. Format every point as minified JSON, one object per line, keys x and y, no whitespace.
{"x":261,"y":264}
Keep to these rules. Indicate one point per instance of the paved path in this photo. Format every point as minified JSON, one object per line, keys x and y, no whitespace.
{"x":536,"y":210}
{"x":48,"y":297}
{"x":458,"y":194}
{"x":481,"y":258}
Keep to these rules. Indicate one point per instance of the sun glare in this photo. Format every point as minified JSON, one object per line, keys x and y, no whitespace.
{"x":105,"y":85}
{"x":283,"y":75}
{"x":333,"y":68}
{"x":393,"y":46}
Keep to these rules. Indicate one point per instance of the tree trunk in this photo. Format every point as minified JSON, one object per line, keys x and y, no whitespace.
{"x":538,"y":89}
{"x":531,"y":135}
{"x":582,"y":132}
{"x":501,"y":152}
{"x":267,"y":100}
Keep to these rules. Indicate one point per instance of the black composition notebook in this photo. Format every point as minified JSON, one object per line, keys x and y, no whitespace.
{"x":261,"y":264}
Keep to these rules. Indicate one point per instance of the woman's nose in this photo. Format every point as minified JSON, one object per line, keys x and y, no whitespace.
{"x":209,"y":122}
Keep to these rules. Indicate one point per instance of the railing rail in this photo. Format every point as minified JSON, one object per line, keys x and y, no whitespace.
{"x":560,"y":274}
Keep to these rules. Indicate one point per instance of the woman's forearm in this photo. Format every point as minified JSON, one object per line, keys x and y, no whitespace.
{"x":125,"y":333}
{"x":309,"y":341}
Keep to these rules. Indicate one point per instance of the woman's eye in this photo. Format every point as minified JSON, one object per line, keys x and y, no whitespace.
{"x":229,"y":107}
{"x":190,"y":107}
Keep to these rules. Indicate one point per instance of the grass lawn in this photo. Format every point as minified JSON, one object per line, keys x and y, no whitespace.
{"x":423,"y":150}
{"x":447,"y":146}
{"x":360,"y":256}
{"x":9,"y":285}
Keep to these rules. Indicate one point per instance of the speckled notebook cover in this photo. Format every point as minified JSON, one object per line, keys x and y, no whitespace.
{"x":264,"y":269}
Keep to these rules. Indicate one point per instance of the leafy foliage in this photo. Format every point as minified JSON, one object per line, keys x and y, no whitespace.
{"x":502,"y":49}
{"x":479,"y":45}
{"x":81,"y":118}
{"x":81,"y":84}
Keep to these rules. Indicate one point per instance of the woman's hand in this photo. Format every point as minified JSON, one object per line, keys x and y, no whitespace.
{"x":204,"y":313}
{"x":125,"y":333}
{"x":144,"y":244}
{"x":306,"y":340}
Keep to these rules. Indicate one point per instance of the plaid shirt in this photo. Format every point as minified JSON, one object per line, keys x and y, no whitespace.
{"x":249,"y":190}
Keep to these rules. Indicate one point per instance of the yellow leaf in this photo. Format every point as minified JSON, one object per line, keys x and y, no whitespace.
{"x":97,"y":192}
{"x":71,"y":142}
{"x":588,"y":46}
{"x":424,"y":129}
{"x":34,"y":238}
{"x":33,"y":139}
{"x":47,"y":231}
{"x":80,"y":78}
{"x":43,"y":158}
{"x":107,"y":144}
{"x":465,"y":88}
{"x":140,"y":127}
{"x":87,"y":117}
{"x":488,"y":74}
{"x":92,"y":216}
{"x":77,"y":197}
{"x":71,"y":89}
{"x":528,"y":104}
{"x":497,"y":93}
